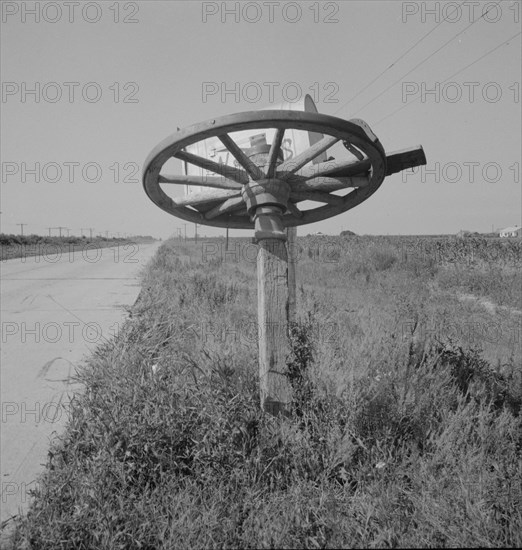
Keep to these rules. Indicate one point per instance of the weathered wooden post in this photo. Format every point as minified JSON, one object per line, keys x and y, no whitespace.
{"x":291,"y":235}
{"x":255,"y":187}
{"x":272,"y":306}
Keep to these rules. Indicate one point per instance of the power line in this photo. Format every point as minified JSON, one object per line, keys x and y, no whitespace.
{"x":453,"y":75}
{"x":397,"y":60}
{"x":424,"y":60}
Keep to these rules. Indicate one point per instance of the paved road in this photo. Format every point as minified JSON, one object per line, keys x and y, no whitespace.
{"x":55,"y":310}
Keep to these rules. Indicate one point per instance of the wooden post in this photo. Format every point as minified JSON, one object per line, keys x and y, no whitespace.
{"x":266,"y":201}
{"x":272,"y":306}
{"x":291,"y":233}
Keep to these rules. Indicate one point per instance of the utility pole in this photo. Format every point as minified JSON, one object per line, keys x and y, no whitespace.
{"x":49,"y":229}
{"x":196,"y":232}
{"x":60,"y":229}
{"x":89,"y":229}
{"x":21,"y":228}
{"x":185,"y":230}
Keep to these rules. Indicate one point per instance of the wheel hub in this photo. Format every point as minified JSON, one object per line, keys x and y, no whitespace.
{"x":266,"y":192}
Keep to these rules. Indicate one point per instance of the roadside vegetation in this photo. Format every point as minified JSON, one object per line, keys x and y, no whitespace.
{"x":23,"y":246}
{"x":406,"y":428}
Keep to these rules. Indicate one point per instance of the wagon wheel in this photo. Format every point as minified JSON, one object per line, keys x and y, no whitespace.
{"x":363,"y":170}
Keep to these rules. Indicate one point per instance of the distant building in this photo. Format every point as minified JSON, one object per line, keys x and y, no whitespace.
{"x":514,"y":231}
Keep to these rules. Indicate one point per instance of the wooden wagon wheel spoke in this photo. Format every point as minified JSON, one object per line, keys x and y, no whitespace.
{"x":217,"y":182}
{"x":224,"y":170}
{"x":292,"y":208}
{"x":330,"y":184}
{"x":343,"y":168}
{"x":243,"y":214}
{"x":291,"y":166}
{"x":205,"y":198}
{"x":225,"y":207}
{"x":273,"y":154}
{"x":252,"y":169}
{"x":316,"y":196}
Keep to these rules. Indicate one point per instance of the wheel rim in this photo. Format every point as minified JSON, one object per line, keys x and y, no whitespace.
{"x":222,"y":206}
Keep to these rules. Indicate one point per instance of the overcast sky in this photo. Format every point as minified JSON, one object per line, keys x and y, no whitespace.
{"x":111,"y":80}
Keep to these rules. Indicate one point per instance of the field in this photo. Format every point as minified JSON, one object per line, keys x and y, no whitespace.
{"x":406,"y":428}
{"x":51,"y":249}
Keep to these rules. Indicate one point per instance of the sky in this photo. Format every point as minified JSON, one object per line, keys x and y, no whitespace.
{"x":89,"y":89}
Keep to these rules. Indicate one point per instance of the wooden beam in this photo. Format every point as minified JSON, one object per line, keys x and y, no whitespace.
{"x":335,"y":168}
{"x":195,"y":199}
{"x":252,"y":169}
{"x":274,"y":344}
{"x":229,"y":205}
{"x":294,"y":164}
{"x":217,"y":182}
{"x":291,"y":244}
{"x":329,"y":184}
{"x":230,"y":172}
{"x":404,"y":159}
{"x":274,"y":152}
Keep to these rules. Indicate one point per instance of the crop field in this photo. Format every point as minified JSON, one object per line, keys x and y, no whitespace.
{"x":406,"y":428}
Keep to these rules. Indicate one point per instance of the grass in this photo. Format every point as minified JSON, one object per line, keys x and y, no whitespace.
{"x":400,"y":435}
{"x":23,"y":246}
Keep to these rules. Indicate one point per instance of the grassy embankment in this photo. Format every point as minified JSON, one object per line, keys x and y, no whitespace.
{"x":404,"y":432}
